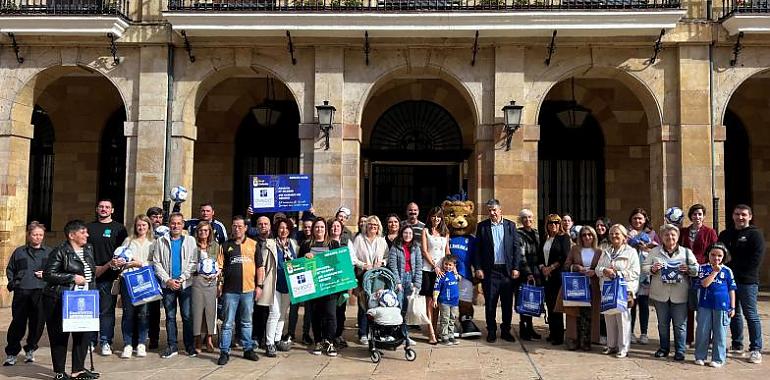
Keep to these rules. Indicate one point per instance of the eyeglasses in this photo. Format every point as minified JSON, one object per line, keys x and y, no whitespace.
{"x":554,"y":222}
{"x":587,"y":235}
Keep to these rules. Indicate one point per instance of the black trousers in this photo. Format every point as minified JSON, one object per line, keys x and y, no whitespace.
{"x":153,"y":321}
{"x":59,"y":339}
{"x":341,"y":309}
{"x":555,"y":320}
{"x":324,"y":317}
{"x":294,"y":317}
{"x":498,"y":285}
{"x":259,"y":322}
{"x":27,"y":316}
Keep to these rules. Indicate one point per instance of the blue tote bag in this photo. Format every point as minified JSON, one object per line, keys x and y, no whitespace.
{"x":614,"y":296}
{"x":576,"y":289}
{"x":142,"y":285}
{"x":530,"y":300}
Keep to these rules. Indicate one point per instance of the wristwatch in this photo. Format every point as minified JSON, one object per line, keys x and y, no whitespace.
{"x":261,"y":286}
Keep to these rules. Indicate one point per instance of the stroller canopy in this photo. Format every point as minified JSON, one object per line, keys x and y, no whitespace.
{"x":378,"y":279}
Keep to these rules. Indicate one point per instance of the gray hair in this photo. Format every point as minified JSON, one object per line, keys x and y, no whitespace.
{"x":525,"y":212}
{"x":623,"y":231}
{"x":669,"y":227}
{"x":493,"y":203}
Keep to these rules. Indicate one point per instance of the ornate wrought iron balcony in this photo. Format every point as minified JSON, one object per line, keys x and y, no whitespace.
{"x":412,"y":5}
{"x":744,"y":16}
{"x":64,"y":17}
{"x":65,"y":7}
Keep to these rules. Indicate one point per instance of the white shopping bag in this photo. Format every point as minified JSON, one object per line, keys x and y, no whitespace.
{"x":416,"y":313}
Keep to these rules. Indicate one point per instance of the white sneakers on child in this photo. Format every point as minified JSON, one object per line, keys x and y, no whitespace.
{"x":716,"y":364}
{"x":127,"y":351}
{"x":141,"y":350}
{"x":756,"y":357}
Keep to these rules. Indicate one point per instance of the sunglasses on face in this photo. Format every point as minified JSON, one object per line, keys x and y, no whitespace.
{"x":554,"y":222}
{"x":587,"y":235}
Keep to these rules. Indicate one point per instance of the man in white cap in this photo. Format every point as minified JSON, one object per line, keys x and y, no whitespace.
{"x":343,"y":214}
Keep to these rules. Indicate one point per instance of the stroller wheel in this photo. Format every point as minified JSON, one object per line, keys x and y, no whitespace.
{"x":375,"y":356}
{"x":410,"y":354}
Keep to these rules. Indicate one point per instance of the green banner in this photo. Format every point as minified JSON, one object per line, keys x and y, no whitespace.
{"x":328,"y":272}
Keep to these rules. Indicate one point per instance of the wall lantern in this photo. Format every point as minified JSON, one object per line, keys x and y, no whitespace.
{"x":325,"y":120}
{"x":512,"y":120}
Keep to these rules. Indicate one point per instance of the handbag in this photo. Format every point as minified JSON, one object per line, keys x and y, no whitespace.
{"x":416,"y":312}
{"x":576,"y":289}
{"x":115,"y":289}
{"x":615,"y":298}
{"x":530,"y":300}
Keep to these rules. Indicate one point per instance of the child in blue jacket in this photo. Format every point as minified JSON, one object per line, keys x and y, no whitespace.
{"x":447,"y":296}
{"x":716,"y":305}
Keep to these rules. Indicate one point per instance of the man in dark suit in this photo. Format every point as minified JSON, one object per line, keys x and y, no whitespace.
{"x":497,"y":262}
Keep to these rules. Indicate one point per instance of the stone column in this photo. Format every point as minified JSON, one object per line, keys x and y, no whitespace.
{"x":664,"y":170}
{"x":331,"y":180}
{"x":694,"y":129}
{"x":146,"y":135}
{"x":15,"y":140}
{"x":183,"y":136}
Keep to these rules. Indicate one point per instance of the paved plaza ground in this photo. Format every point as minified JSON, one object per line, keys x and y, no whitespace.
{"x":475,"y":359}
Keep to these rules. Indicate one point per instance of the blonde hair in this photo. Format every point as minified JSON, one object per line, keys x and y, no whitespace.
{"x":374,"y":219}
{"x":146,"y":219}
{"x":594,"y":243}
{"x":623,"y":231}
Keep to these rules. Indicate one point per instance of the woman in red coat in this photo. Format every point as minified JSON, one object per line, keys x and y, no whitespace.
{"x":697,"y":237}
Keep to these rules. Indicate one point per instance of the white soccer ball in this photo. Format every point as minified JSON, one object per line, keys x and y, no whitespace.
{"x":388,"y":299}
{"x":208,"y":267}
{"x":123,"y":252}
{"x":574,"y":233}
{"x":674,"y":215}
{"x":161,"y":231}
{"x":178,"y":194}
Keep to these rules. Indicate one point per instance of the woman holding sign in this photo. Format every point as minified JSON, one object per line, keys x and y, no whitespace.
{"x":583,"y":322}
{"x":670,"y":267}
{"x":325,"y":307}
{"x":70,"y":266}
{"x":620,"y":260}
{"x":139,"y":246}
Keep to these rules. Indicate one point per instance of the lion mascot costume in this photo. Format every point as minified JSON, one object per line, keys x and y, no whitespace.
{"x":461,"y":220}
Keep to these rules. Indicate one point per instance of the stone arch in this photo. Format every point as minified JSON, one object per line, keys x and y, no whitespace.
{"x":193,"y":96}
{"x":644,"y":93}
{"x":33,"y":84}
{"x":733,"y":81}
{"x":430,"y":71}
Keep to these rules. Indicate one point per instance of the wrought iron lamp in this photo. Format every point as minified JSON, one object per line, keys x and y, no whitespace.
{"x":575,"y":115}
{"x":326,"y":120}
{"x":268,"y":112}
{"x":512,"y":120}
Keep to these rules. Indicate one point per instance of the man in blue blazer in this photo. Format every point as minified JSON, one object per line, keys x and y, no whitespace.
{"x":497,"y":262}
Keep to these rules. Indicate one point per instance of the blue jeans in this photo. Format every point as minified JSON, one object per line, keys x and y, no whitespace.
{"x":133,"y":314}
{"x":746,"y":304}
{"x":641,"y":303}
{"x":243,"y":304}
{"x":712,"y":324}
{"x":107,"y":303}
{"x":184,"y":297}
{"x":363,"y":323}
{"x":406,"y":283}
{"x":668,"y":311}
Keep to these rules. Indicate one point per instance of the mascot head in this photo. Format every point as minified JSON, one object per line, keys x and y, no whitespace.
{"x":459,"y":217}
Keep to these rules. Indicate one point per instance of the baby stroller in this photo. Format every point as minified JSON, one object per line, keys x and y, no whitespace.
{"x":384,"y":335}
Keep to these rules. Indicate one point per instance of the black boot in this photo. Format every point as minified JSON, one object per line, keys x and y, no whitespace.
{"x":524,"y":332}
{"x":532,"y":333}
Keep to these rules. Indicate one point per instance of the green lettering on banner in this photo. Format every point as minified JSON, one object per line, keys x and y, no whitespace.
{"x":326,"y":273}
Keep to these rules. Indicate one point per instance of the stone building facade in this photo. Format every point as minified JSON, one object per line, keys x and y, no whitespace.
{"x":92,"y":99}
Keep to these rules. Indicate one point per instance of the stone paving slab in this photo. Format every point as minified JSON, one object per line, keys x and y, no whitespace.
{"x":471,"y":359}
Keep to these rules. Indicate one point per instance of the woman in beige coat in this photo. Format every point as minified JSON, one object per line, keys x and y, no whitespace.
{"x":583,"y":322}
{"x":275,"y":294}
{"x":670,"y":267}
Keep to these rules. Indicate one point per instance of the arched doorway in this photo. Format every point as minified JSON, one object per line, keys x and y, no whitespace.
{"x":571,"y":165}
{"x":737,"y":165}
{"x":415,"y":154}
{"x":41,"y":161}
{"x":232,"y":145}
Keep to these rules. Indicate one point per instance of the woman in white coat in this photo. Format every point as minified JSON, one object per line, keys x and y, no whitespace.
{"x":619,"y":260}
{"x":369,"y":250}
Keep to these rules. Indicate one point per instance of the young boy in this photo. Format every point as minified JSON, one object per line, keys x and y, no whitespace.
{"x":447,"y":296}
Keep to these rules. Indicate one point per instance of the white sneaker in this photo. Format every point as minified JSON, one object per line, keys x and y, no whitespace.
{"x":9,"y":361}
{"x":127,"y":351}
{"x":634,"y":338}
{"x":141,"y":350}
{"x":621,"y":355}
{"x":412,"y":342}
{"x":756,"y":357}
{"x":602,"y":340}
{"x":737,"y":353}
{"x":716,"y":364}
{"x":643,"y":339}
{"x":363,"y":341}
{"x":699,"y":362}
{"x":106,"y":349}
{"x":29,"y":356}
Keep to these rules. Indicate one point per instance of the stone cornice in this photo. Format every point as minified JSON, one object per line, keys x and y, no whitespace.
{"x":63,"y":25}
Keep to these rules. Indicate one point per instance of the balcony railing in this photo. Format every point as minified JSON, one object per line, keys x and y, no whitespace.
{"x":743,"y":6}
{"x":65,"y":8}
{"x":412,"y":5}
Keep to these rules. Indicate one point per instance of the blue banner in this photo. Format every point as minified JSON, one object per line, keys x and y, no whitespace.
{"x":284,"y":193}
{"x":576,"y":289}
{"x":614,"y":296}
{"x":142,"y":286}
{"x":80,"y":310}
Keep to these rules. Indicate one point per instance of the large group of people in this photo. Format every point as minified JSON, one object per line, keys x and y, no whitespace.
{"x":697,"y":280}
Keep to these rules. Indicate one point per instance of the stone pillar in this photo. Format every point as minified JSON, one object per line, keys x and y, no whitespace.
{"x":664,"y":170}
{"x":146,"y":134}
{"x":695,"y":129}
{"x":482,"y":162}
{"x":720,"y":136}
{"x":183,"y":136}
{"x":332,"y":182}
{"x":14,"y":154}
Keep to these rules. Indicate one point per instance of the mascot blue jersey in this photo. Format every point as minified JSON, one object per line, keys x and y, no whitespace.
{"x":463,"y":247}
